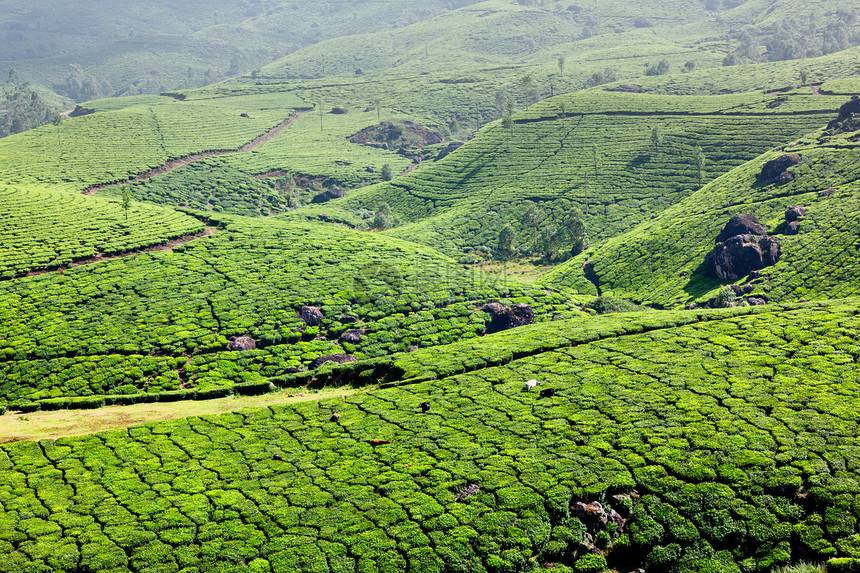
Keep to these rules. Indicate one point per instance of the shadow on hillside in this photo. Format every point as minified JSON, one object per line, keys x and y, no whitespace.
{"x":699,"y":284}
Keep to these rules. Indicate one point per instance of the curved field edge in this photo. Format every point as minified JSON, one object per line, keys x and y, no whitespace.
{"x":727,"y":445}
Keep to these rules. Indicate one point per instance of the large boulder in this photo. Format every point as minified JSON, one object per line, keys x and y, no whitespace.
{"x":745,"y":224}
{"x":311,"y":315}
{"x":740,"y":255}
{"x":776,"y":170}
{"x":506,"y":317}
{"x":243,"y":343}
{"x":352,"y":336}
{"x":336,"y":358}
{"x":795,"y":213}
{"x":325,"y":196}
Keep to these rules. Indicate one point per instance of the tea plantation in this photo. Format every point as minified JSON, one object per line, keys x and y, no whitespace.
{"x":464,"y":200}
{"x":46,"y":228}
{"x":166,"y":319}
{"x":722,"y":445}
{"x":661,"y":261}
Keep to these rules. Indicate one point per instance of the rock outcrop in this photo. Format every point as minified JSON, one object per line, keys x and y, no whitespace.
{"x":325,"y":196}
{"x":311,"y":315}
{"x":745,"y":224}
{"x":795,"y":213}
{"x":243,"y":343}
{"x":506,"y":317}
{"x":741,"y":254}
{"x":742,"y":247}
{"x":776,"y":170}
{"x":336,"y":358}
{"x":352,"y":336}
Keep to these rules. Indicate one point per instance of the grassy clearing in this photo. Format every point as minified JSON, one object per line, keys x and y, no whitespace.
{"x":15,"y":426}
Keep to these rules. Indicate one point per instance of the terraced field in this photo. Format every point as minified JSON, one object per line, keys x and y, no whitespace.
{"x":166,"y":319}
{"x":268,"y":180}
{"x":464,"y":200}
{"x":117,"y":144}
{"x":739,"y":459}
{"x":46,"y":228}
{"x":661,"y":261}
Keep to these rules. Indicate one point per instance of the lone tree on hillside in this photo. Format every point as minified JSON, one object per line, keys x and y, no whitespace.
{"x":561,"y":65}
{"x":56,"y":121}
{"x":700,"y":164}
{"x":126,"y":200}
{"x":656,"y":138}
{"x":387,"y":175}
{"x":577,"y":231}
{"x":532,"y":219}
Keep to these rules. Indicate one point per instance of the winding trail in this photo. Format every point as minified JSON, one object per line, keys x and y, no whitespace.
{"x":182,"y":161}
{"x":169,"y":245}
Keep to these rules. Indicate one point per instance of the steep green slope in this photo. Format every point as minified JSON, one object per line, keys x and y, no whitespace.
{"x":463,"y":201}
{"x":662,"y":260}
{"x":724,"y":445}
{"x":279,"y":174}
{"x":165,"y":320}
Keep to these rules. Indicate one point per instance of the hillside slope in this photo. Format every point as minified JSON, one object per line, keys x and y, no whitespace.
{"x":462,"y":201}
{"x":662,"y":261}
{"x":158,"y":45}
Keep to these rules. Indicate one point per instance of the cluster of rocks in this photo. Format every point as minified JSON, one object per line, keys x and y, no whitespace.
{"x":792,"y":219}
{"x":506,"y":317}
{"x":596,"y":516}
{"x":743,"y":246}
{"x":848,"y":119}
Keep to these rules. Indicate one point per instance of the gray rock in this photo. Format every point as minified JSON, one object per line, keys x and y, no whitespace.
{"x":243,"y":343}
{"x":311,"y":315}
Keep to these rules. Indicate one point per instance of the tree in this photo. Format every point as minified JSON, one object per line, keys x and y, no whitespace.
{"x":56,"y":121}
{"x":508,"y":118}
{"x":577,"y":232}
{"x":126,"y":200}
{"x":532,"y":219}
{"x":387,"y":175}
{"x":700,"y":164}
{"x":656,"y":137}
{"x":551,"y":240}
{"x":561,"y":65}
{"x":507,"y":240}
{"x":23,"y":107}
{"x":660,"y":69}
{"x":384,"y":218}
{"x":804,"y":76}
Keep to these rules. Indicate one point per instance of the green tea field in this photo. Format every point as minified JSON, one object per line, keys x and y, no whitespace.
{"x":738,"y":460}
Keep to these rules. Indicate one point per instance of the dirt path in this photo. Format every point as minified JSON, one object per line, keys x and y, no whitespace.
{"x":177,"y":163}
{"x":15,"y":427}
{"x":185,"y":239}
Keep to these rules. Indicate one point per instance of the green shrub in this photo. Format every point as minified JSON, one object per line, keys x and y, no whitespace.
{"x":590,"y":563}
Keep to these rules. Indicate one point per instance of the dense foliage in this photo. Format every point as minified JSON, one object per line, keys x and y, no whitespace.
{"x":165,"y":319}
{"x":739,"y":458}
